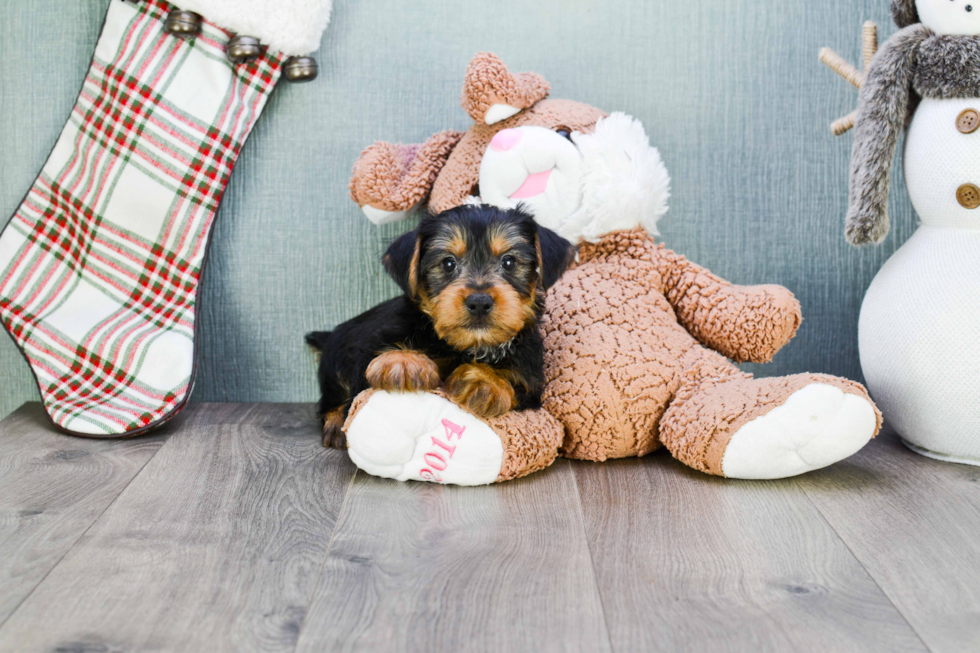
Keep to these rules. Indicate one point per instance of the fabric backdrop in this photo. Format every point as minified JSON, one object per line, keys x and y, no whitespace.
{"x":729,"y":90}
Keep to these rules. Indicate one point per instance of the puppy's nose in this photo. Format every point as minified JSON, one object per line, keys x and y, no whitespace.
{"x":479,"y":304}
{"x":505,"y":140}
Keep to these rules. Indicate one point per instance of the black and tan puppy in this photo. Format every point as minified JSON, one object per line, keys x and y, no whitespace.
{"x":474,"y":280}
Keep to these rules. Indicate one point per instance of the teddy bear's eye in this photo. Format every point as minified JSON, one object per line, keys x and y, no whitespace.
{"x":564,"y":133}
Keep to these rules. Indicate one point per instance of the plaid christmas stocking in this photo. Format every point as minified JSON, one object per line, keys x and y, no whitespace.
{"x":100,"y":265}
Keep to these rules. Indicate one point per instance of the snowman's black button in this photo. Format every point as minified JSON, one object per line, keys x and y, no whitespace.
{"x":968,"y":196}
{"x":968,"y":121}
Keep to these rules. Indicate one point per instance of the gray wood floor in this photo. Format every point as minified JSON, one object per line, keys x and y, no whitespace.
{"x":233,"y":530}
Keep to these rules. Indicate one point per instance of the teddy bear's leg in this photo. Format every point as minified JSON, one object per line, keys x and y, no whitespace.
{"x":426,"y":437}
{"x":741,"y":427}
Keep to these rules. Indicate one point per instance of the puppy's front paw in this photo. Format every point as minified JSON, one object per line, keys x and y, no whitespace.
{"x":403,"y":371}
{"x":333,"y":430}
{"x":480,"y":390}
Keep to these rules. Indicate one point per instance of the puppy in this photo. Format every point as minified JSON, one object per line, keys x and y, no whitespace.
{"x":474,"y":280}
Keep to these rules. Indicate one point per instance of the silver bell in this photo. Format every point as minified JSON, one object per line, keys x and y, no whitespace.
{"x":301,"y":69}
{"x":243,"y":49}
{"x":183,"y":23}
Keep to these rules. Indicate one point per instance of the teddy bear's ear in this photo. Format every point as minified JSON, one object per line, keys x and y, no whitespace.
{"x":390,"y":181}
{"x":491,"y":93}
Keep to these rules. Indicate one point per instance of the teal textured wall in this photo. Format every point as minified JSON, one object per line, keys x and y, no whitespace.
{"x":730,"y":91}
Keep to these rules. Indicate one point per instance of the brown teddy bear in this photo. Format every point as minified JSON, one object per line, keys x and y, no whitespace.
{"x":638,"y":338}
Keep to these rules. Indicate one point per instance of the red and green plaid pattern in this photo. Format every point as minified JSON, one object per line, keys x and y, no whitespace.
{"x":99,"y":267}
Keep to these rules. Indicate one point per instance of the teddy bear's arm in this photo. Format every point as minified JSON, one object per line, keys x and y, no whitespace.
{"x":745,"y":323}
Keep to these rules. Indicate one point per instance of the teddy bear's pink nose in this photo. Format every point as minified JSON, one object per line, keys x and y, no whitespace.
{"x":505,"y":140}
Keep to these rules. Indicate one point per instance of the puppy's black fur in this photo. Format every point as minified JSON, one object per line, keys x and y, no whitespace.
{"x":473,"y":281}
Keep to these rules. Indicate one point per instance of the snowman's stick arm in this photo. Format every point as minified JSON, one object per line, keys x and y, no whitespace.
{"x":869,"y":42}
{"x":869,"y":47}
{"x":837,"y":63}
{"x":845,"y":124}
{"x":882,"y":110}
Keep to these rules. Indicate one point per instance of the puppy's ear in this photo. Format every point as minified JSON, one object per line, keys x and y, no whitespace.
{"x":555,"y":254}
{"x":401,"y":262}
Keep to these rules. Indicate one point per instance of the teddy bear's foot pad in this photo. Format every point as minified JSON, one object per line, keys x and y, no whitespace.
{"x":423,"y":437}
{"x":816,"y":426}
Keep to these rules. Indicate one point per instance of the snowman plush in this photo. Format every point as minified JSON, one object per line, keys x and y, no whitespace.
{"x":919,"y":330}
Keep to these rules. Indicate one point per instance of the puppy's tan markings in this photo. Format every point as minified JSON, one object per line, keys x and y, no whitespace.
{"x":403,"y":370}
{"x":449,"y":315}
{"x":480,"y":390}
{"x":333,"y":429}
{"x":413,"y":270}
{"x":453,"y":243}
{"x":513,"y":313}
{"x":502,"y":239}
{"x":499,"y":245}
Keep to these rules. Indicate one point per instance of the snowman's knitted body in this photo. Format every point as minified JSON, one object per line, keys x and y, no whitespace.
{"x":923,"y":303}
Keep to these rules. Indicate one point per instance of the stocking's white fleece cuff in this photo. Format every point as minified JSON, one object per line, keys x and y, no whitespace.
{"x":292,"y":27}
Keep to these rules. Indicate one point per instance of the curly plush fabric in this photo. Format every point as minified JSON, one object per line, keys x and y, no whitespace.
{"x":531,"y":440}
{"x":629,"y":322}
{"x":488,"y":82}
{"x":397,"y":177}
{"x":711,"y":407}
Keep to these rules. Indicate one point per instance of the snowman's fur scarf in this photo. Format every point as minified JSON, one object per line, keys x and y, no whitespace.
{"x":946,"y":67}
{"x":914,"y":59}
{"x":882,"y":110}
{"x":904,"y":12}
{"x":625,"y":184}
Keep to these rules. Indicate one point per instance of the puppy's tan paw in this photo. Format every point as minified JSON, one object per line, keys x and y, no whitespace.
{"x":403,"y":371}
{"x":480,"y":390}
{"x":333,"y":430}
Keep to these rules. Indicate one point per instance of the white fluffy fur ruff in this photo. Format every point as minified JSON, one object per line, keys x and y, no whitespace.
{"x":625,"y":183}
{"x":292,"y":27}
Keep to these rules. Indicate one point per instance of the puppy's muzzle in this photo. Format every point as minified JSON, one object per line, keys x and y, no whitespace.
{"x":479,"y":304}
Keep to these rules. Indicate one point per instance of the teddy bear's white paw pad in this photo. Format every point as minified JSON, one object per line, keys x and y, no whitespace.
{"x":423,"y":437}
{"x":816,"y":427}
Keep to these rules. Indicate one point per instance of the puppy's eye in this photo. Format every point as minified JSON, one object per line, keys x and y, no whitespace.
{"x":564,"y":133}
{"x":449,"y":265}
{"x":508,"y":263}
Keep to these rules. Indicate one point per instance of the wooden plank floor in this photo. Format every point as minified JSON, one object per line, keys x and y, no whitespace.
{"x":233,"y":530}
